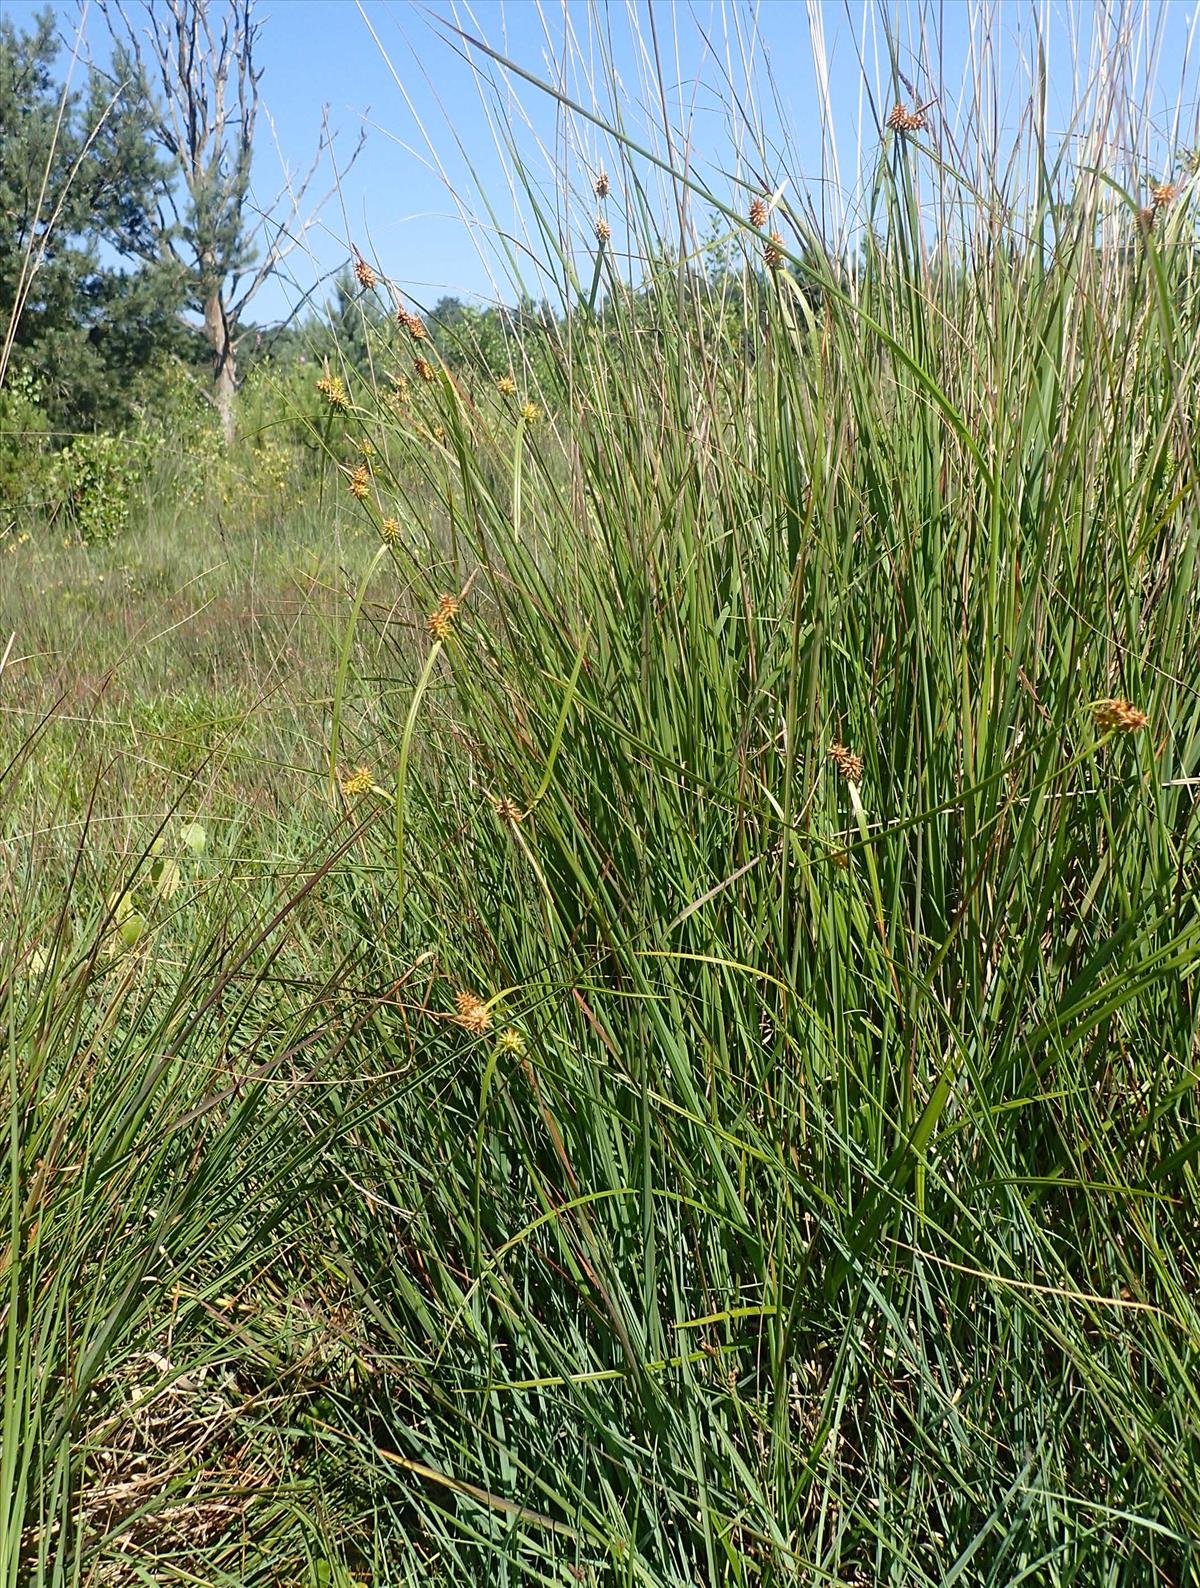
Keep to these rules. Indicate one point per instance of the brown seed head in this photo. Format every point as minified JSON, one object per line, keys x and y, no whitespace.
{"x":400,"y":393}
{"x":847,"y":763}
{"x":773,"y":251}
{"x":411,"y":323}
{"x":758,"y":213}
{"x":1118,"y":716}
{"x":508,"y":811}
{"x":366,"y":276}
{"x":438,"y":622}
{"x":473,"y":1015}
{"x":1162,"y":194}
{"x":603,"y":230}
{"x":423,"y":368}
{"x":600,"y":185}
{"x":1145,"y":219}
{"x":902,"y":120}
{"x":359,"y":483}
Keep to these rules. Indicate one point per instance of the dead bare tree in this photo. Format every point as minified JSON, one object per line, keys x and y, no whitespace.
{"x":195,"y":62}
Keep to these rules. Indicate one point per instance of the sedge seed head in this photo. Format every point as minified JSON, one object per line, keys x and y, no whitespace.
{"x":1118,"y":716}
{"x":357,"y":783}
{"x":359,"y":483}
{"x":506,"y":386}
{"x":390,"y":530}
{"x":366,"y":276}
{"x":600,"y":185}
{"x":773,"y":251}
{"x":507,"y":810}
{"x":1162,"y":194}
{"x":472,"y":1014}
{"x":333,"y":389}
{"x":905,"y":121}
{"x":512,"y":1042}
{"x":847,"y":763}
{"x":439,"y":620}
{"x":423,"y":368}
{"x":758,"y":213}
{"x":603,"y":230}
{"x":530,"y":413}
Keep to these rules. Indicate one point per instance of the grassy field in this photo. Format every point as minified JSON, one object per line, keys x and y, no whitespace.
{"x":714,"y":1099}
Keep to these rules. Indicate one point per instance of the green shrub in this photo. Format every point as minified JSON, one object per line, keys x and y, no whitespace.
{"x":93,"y":484}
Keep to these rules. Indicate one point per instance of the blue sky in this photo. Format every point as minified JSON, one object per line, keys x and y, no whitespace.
{"x":393,"y":70}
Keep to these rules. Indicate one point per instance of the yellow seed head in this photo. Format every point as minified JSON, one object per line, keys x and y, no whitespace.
{"x":366,"y":276}
{"x":357,"y":783}
{"x":390,"y":530}
{"x":333,"y":389}
{"x":603,"y":230}
{"x":506,"y":386}
{"x":1118,"y":716}
{"x":847,"y":763}
{"x":530,"y":413}
{"x":600,"y":185}
{"x":1162,"y":194}
{"x":511,"y":1041}
{"x":758,"y":213}
{"x":473,"y":1015}
{"x":359,"y":482}
{"x":438,"y":622}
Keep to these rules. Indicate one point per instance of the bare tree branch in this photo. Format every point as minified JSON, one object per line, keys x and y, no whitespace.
{"x":196,"y":62}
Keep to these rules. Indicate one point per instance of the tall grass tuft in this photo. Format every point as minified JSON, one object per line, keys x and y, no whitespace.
{"x":750,"y":1134}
